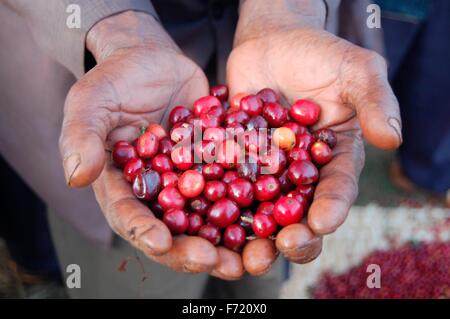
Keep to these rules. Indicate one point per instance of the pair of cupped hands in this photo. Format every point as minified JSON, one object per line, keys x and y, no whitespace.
{"x":141,"y":73}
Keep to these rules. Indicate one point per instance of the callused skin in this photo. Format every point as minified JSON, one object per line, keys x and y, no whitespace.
{"x":344,"y":79}
{"x":130,"y":42}
{"x":124,"y":45}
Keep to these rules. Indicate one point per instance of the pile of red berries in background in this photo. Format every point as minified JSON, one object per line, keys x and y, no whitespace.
{"x":253,"y":171}
{"x":411,"y":271}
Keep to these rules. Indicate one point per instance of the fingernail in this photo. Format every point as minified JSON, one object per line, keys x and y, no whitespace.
{"x":310,"y":245}
{"x":308,"y":252}
{"x":149,"y":246}
{"x":71,"y":164}
{"x":397,"y":127}
{"x":154,"y":242}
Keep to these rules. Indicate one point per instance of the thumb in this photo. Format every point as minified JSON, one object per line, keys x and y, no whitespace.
{"x":375,"y":103}
{"x":82,"y":141}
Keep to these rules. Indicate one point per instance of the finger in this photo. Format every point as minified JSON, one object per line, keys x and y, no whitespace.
{"x":338,"y":185}
{"x":258,"y":256}
{"x":298,"y":243}
{"x":230,"y":265}
{"x":193,"y":89}
{"x":82,"y":139}
{"x":127,"y":216}
{"x":133,"y":221}
{"x":190,"y":254}
{"x":372,"y":97}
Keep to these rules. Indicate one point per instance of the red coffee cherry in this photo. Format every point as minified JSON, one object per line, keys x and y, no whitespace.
{"x":223,"y":213}
{"x":305,"y":112}
{"x":176,"y":220}
{"x":234,"y":237}
{"x":287,"y":211}
{"x":303,"y":172}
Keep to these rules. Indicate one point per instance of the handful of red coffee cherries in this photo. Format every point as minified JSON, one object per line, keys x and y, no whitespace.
{"x":229,"y":172}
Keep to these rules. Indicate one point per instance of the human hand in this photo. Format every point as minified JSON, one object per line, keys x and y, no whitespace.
{"x":139,"y":75}
{"x":349,"y":83}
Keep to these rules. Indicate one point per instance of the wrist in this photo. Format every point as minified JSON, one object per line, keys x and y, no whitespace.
{"x":257,"y":18}
{"x":129,"y":29}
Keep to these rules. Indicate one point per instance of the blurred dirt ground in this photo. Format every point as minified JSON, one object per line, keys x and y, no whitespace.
{"x":382,"y":217}
{"x":368,"y":228}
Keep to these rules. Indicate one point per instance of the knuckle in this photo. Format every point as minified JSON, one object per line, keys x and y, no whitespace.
{"x":377,"y":59}
{"x":114,"y":224}
{"x":75,"y":94}
{"x":363,"y":70}
{"x":370,"y":58}
{"x":139,"y":226}
{"x":118,"y":222}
